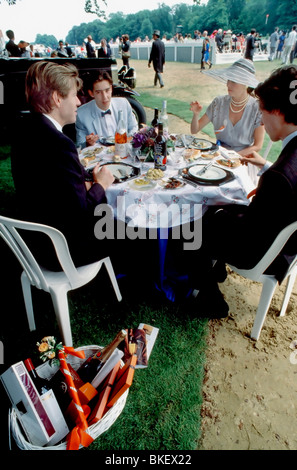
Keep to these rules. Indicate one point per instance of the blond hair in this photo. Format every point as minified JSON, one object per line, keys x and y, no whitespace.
{"x":43,"y":78}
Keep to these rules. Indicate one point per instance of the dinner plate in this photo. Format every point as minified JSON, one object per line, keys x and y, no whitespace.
{"x":201,"y":144}
{"x":142,"y":184}
{"x":122,"y":171}
{"x":90,"y":156}
{"x":171,"y":183}
{"x":211,"y":174}
{"x":233,"y":163}
{"x":107,"y":140}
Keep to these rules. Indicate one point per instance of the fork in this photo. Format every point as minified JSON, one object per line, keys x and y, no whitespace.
{"x":203,"y":170}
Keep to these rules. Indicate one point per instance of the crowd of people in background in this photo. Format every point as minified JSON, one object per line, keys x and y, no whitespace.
{"x":280,"y":45}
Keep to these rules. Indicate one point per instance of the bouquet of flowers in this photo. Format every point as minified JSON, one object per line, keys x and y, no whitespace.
{"x":49,"y":349}
{"x":144,"y":140}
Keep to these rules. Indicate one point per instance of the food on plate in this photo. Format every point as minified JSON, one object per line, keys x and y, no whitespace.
{"x":116,"y":158}
{"x":141,"y":182}
{"x":201,"y":144}
{"x":234,"y":163}
{"x":86,"y":160}
{"x":172,"y":183}
{"x":191,"y":154}
{"x":90,"y":155}
{"x":155,"y":174}
{"x":207,"y":156}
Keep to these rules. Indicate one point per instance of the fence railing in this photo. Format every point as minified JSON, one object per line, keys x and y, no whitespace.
{"x":189,"y":52}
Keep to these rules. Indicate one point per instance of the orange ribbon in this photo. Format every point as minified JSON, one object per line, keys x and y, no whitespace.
{"x":78,"y":435}
{"x":252,"y":193}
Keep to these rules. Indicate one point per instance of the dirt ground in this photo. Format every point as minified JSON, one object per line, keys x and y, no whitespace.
{"x":250,"y":389}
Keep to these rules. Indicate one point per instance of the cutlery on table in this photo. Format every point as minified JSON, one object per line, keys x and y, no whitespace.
{"x":206,"y":167}
{"x":187,"y":181}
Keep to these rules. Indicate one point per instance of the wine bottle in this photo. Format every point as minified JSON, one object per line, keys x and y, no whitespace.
{"x":160,"y":149}
{"x":156,"y":118}
{"x":42,"y":385}
{"x":164,"y":117}
{"x":121,"y":138}
{"x":90,"y":368}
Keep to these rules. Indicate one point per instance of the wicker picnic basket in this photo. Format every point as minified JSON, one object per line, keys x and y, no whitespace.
{"x":95,"y":430}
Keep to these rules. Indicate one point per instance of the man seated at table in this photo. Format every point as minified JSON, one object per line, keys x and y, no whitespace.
{"x":240,"y":235}
{"x":52,"y":186}
{"x":99,"y":118}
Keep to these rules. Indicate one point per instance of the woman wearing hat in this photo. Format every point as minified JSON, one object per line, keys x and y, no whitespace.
{"x":236,"y":117}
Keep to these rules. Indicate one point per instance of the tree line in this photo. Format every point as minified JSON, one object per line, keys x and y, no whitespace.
{"x":237,"y":15}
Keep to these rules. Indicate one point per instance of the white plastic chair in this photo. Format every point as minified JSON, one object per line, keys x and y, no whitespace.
{"x":56,"y":283}
{"x":269,"y":281}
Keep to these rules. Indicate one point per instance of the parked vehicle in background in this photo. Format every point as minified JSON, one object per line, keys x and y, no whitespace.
{"x":12,"y":80}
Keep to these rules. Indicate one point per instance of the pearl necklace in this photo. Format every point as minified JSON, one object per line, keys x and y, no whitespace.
{"x":238,"y":104}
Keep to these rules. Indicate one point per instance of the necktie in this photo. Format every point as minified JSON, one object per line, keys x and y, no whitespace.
{"x":105,"y":112}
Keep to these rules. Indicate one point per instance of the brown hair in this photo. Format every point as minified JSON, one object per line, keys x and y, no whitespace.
{"x":277,"y":93}
{"x":99,"y":78}
{"x":43,"y":78}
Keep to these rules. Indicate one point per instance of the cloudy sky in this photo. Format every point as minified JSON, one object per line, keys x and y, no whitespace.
{"x":30,"y":17}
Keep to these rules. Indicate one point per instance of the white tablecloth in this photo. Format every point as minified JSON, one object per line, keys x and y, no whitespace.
{"x":161,"y":207}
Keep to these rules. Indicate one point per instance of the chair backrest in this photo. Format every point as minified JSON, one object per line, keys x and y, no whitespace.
{"x":9,"y":232}
{"x":275,"y":249}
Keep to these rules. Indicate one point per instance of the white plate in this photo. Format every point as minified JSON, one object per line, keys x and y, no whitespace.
{"x":142,"y":184}
{"x":213,"y":173}
{"x":119,"y":170}
{"x":90,"y":152}
{"x":201,"y":144}
{"x":166,"y":183}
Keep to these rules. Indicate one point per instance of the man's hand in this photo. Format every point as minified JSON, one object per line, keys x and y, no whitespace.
{"x":253,"y":158}
{"x":91,"y":139}
{"x":103,"y":176}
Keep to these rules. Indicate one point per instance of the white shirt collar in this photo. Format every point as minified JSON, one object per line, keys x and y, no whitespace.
{"x":288,"y":138}
{"x":56,"y":123}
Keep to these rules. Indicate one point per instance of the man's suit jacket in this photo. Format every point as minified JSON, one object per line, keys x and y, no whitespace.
{"x":249,"y":231}
{"x":88,"y":119}
{"x":102,"y":53}
{"x":157,"y":55}
{"x":13,"y":49}
{"x":50,"y":185}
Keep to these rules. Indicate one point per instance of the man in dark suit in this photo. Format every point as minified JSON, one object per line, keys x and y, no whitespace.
{"x":104,"y":50}
{"x":250,"y":45}
{"x":249,"y":231}
{"x":157,"y":56}
{"x":89,"y":47}
{"x":52,"y":186}
{"x":12,"y":49}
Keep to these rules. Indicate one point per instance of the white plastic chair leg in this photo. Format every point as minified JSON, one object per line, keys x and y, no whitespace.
{"x":268,"y":289}
{"x":288,"y":291}
{"x":113,"y":278}
{"x":61,"y":307}
{"x":27,"y":294}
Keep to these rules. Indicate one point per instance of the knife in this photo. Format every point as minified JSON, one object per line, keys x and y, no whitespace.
{"x":203,"y":170}
{"x":188,"y":181}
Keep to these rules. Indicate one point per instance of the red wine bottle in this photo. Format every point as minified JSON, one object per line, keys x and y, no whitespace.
{"x":42,"y":385}
{"x":94,"y":364}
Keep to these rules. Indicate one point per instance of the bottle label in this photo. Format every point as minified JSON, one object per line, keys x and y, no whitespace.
{"x":160,"y":161}
{"x":121,"y":150}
